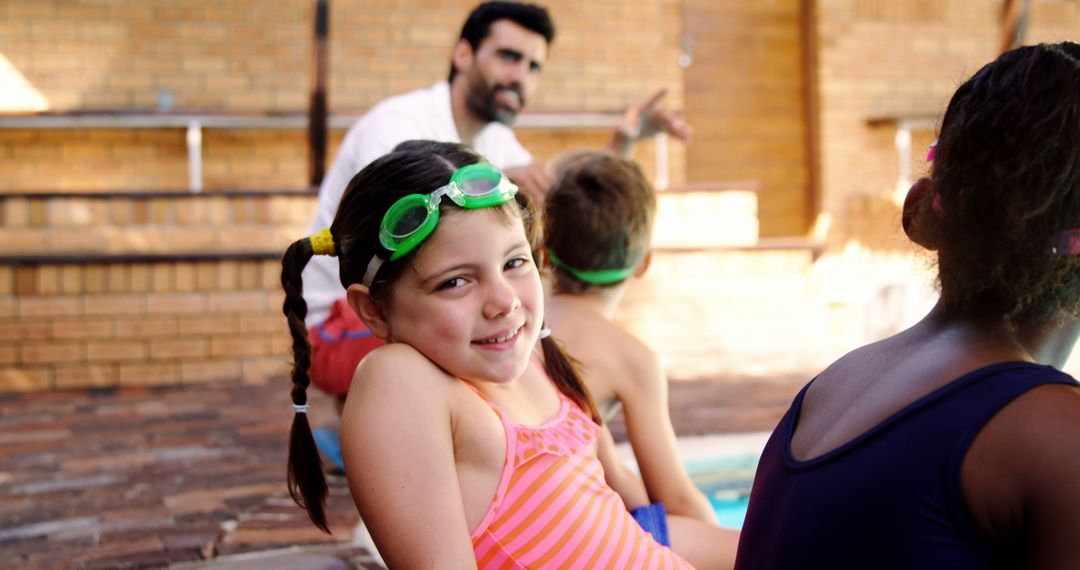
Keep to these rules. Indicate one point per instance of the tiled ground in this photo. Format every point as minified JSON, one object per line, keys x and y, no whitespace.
{"x":148,"y":477}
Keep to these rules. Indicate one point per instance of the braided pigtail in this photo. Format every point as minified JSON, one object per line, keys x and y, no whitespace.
{"x":304,"y":475}
{"x":563,"y":371}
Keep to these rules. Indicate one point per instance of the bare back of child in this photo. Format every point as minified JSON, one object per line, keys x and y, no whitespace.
{"x":598,"y":227}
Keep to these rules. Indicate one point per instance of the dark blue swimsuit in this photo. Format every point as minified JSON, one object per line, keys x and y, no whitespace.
{"x":890,"y":498}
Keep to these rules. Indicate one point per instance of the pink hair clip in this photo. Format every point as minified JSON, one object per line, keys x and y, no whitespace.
{"x":1067,"y":243}
{"x":932,"y":151}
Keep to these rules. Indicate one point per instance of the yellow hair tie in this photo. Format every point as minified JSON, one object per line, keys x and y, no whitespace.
{"x":322,"y":243}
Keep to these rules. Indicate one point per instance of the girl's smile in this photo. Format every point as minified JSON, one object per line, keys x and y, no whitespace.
{"x":501,"y":342}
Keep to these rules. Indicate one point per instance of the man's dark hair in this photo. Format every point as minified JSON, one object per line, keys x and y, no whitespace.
{"x":529,"y":16}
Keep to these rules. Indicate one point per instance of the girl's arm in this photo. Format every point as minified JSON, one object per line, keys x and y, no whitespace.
{"x":625,"y":482}
{"x":398,"y":450}
{"x":1020,"y":477}
{"x":644,"y":398}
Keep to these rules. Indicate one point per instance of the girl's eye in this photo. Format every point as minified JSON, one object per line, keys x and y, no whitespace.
{"x":516,"y":262}
{"x":453,"y":283}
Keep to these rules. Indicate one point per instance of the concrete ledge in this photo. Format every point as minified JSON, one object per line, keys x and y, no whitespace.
{"x":151,"y":194}
{"x":292,"y":120}
{"x":135,"y":258}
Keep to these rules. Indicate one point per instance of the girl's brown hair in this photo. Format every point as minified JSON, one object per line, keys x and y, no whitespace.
{"x":412,"y":167}
{"x":598,"y":215}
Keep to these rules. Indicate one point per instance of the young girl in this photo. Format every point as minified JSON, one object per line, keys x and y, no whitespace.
{"x":954,"y":443}
{"x":460,"y":449}
{"x":598,"y":221}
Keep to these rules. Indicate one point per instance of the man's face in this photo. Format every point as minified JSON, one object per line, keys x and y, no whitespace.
{"x":503,"y":72}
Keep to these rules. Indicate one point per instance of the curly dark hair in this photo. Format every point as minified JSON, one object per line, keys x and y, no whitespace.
{"x":1005,"y":184}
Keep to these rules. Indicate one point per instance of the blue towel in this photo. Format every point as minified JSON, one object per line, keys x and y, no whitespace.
{"x":653,"y":518}
{"x":329,"y":444}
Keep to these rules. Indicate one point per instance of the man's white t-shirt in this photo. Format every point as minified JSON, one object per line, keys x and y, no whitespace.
{"x":420,"y":114}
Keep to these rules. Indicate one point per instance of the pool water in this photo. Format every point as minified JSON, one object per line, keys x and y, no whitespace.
{"x":721,"y":465}
{"x":726,"y":482}
{"x":730,"y":513}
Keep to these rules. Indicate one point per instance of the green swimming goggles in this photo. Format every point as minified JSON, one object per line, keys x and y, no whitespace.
{"x":411,"y":219}
{"x":592,"y":276}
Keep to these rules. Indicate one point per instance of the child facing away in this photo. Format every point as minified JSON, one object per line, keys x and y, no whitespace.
{"x":598,"y":221}
{"x":953,"y":444}
{"x":469,"y":441}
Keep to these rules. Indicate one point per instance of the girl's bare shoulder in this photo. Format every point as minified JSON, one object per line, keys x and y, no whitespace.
{"x":399,"y":370}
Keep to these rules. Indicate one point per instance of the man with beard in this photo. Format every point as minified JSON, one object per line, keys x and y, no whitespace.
{"x":494,"y":70}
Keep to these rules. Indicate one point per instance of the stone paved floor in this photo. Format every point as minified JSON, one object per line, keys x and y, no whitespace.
{"x":151,"y":477}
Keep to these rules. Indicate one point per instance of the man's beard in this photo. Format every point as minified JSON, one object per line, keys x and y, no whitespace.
{"x":481,"y":101}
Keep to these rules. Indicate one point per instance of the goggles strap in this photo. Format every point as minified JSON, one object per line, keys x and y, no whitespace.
{"x":592,"y":276}
{"x":372,"y":270}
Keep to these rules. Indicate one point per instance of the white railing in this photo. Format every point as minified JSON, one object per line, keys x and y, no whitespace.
{"x":194,"y":123}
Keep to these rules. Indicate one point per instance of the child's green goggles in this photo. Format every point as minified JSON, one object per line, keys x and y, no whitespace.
{"x":592,"y":276}
{"x":411,"y":219}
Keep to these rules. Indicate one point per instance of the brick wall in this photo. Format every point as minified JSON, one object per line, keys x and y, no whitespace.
{"x":745,"y":101}
{"x":254,"y":55}
{"x":194,"y":313}
{"x":885,"y":58}
{"x":77,"y":325}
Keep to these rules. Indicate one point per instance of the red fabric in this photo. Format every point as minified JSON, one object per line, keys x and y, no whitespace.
{"x":337,"y":346}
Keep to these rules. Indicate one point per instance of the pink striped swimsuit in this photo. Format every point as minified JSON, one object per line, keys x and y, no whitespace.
{"x":553,"y":509}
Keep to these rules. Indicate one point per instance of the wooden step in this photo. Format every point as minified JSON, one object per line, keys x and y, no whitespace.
{"x":705,"y":311}
{"x":152,"y":222}
{"x":707,"y":215}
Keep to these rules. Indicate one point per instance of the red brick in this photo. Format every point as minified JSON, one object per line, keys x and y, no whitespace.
{"x":149,"y":374}
{"x":115,"y":351}
{"x":52,"y":306}
{"x":9,"y":355}
{"x":119,"y":278}
{"x":25,"y":379}
{"x":26,"y":279}
{"x":209,"y":325}
{"x":178,"y":303}
{"x":237,"y":302}
{"x":115,"y":305}
{"x":146,"y":327}
{"x":164,"y":349}
{"x":50,"y":352}
{"x":7,"y":280}
{"x":244,"y":346}
{"x":261,"y":324}
{"x":209,"y":371}
{"x":206,"y":276}
{"x":96,"y":279}
{"x":24,"y":330}
{"x":82,"y":329}
{"x":262,"y":369}
{"x":48,"y":280}
{"x":86,"y":376}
